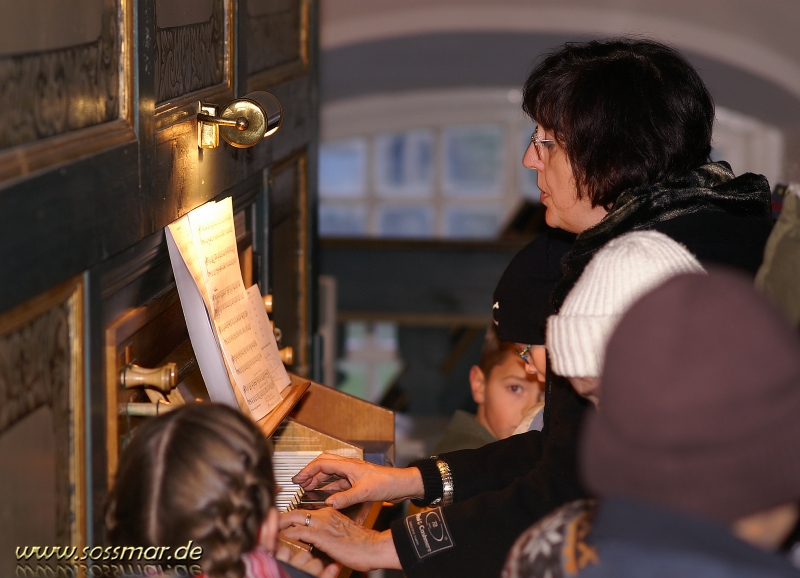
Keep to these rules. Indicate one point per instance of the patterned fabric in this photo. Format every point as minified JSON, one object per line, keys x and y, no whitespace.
{"x":556,"y":546}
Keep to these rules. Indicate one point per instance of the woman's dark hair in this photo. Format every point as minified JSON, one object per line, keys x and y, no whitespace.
{"x":628,"y":112}
{"x":203,"y":473}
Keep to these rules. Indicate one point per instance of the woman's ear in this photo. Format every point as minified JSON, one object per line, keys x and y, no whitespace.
{"x":477,"y":382}
{"x":268,"y":534}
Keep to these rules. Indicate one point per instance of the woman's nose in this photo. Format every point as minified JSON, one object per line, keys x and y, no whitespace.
{"x":531,"y":160}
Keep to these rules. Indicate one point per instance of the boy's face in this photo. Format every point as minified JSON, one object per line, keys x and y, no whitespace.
{"x":505,"y":396}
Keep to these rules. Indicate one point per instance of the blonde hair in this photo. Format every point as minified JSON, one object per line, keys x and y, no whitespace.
{"x":203,"y":473}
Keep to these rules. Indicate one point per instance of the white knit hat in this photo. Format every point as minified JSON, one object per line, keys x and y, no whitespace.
{"x":622,"y":271}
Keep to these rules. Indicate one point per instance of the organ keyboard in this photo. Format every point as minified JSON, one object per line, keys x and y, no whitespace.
{"x":286,"y":464}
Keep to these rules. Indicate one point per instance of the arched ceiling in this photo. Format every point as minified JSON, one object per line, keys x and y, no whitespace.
{"x":746,"y":51}
{"x":758,"y":37}
{"x":477,"y":59}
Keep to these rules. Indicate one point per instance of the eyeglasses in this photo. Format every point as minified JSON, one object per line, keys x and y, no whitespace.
{"x":538,"y":143}
{"x":526,"y":355}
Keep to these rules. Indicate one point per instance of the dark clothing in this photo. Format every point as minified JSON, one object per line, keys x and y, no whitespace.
{"x":464,"y":432}
{"x":503,"y":488}
{"x":635,"y":540}
{"x":520,"y":303}
{"x":720,"y":441}
{"x":629,"y":539}
{"x":500,"y":490}
{"x":719,"y":218}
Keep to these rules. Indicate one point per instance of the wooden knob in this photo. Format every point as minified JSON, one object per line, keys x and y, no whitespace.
{"x":267,"y":303}
{"x":161,"y":378}
{"x":287,"y":355}
{"x":146,"y":409}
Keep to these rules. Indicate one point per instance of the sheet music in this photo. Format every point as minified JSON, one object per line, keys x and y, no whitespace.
{"x":204,"y":339}
{"x":211,"y":230}
{"x":182,"y":236}
{"x":214,"y":237}
{"x":266,"y":338}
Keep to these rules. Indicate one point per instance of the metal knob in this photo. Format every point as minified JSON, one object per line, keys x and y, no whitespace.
{"x":287,"y":355}
{"x":161,"y":378}
{"x":267,"y":303}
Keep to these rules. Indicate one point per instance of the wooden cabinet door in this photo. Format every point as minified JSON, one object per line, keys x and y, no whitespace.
{"x":98,"y":153}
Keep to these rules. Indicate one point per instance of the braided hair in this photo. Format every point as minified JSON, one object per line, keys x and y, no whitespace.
{"x":203,"y":473}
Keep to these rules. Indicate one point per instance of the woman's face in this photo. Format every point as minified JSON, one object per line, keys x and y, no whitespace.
{"x":557,"y":183}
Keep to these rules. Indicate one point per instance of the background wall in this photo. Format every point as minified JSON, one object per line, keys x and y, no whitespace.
{"x":417,"y":85}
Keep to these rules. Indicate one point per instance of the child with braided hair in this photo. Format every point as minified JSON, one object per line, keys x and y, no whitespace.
{"x":203,"y":473}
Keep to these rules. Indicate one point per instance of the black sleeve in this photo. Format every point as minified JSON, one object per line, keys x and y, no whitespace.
{"x":490,"y":467}
{"x":472,"y":537}
{"x":493,"y":466}
{"x":431,"y":481}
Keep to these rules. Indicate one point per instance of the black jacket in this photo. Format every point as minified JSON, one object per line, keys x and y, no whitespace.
{"x":504,"y":487}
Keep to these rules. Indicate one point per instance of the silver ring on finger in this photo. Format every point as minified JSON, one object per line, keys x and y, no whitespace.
{"x":308,"y":519}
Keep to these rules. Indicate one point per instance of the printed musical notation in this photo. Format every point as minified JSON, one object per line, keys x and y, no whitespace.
{"x":205,"y":259}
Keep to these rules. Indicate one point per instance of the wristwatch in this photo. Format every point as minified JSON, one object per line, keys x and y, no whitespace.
{"x":447,"y":483}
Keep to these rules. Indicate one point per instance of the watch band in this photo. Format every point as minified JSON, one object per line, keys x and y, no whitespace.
{"x":447,"y":482}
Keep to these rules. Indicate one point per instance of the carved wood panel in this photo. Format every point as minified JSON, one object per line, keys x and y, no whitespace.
{"x":34,"y":365}
{"x":273,"y":34}
{"x":277,"y":41}
{"x":56,"y":91}
{"x":41,"y":363}
{"x":191,"y":57}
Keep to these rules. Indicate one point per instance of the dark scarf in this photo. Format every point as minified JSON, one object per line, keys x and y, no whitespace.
{"x":711,"y":187}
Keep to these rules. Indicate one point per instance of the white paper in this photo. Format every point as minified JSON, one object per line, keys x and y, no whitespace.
{"x":204,"y":340}
{"x":206,"y":241}
{"x":182,"y":237}
{"x":266,"y":338}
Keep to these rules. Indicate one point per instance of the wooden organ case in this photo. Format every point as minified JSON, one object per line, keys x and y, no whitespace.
{"x":148,"y":338}
{"x":98,"y":153}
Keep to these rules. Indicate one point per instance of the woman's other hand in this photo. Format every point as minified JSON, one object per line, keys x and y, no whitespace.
{"x":342,"y":539}
{"x":360,"y":481}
